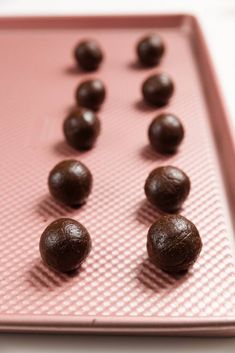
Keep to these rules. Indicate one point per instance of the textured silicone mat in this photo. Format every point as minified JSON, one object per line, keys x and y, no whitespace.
{"x":117,"y":288}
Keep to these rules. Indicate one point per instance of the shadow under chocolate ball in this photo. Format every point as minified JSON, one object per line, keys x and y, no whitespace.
{"x":81,"y":129}
{"x":173,"y":243}
{"x":167,"y":188}
{"x":64,"y":245}
{"x":70,"y":182}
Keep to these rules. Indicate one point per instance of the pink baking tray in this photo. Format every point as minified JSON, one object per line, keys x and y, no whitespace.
{"x":117,"y":290}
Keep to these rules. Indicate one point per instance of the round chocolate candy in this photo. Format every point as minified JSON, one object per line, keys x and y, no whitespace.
{"x":70,"y":182}
{"x":81,"y":129}
{"x":165,"y":133}
{"x":64,"y":245}
{"x":88,"y":55}
{"x":150,"y":50}
{"x":173,"y":243}
{"x":90,"y":94}
{"x":167,"y":188}
{"x":158,"y":89}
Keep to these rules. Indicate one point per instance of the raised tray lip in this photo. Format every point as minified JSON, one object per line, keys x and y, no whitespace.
{"x":89,"y":324}
{"x":117,"y":16}
{"x":107,"y":324}
{"x":26,"y":21}
{"x":198,"y":28}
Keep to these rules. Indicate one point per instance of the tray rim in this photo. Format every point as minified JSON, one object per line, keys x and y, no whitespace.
{"x":223,"y":326}
{"x":178,"y":325}
{"x":15,"y":22}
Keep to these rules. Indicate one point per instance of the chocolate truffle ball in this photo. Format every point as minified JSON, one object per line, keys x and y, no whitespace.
{"x":167,"y":188}
{"x":64,"y":245}
{"x":173,"y":243}
{"x":70,"y":182}
{"x":81,"y":129}
{"x":90,"y":94}
{"x":165,"y":133}
{"x":88,"y":55}
{"x":158,"y":89}
{"x":150,"y":50}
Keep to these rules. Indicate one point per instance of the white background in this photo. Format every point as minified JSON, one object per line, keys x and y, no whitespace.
{"x":218,"y":22}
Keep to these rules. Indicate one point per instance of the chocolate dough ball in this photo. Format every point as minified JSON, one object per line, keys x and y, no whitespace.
{"x":165,"y":133}
{"x":167,"y":188}
{"x":90,"y":94}
{"x":173,"y":243}
{"x":150,"y":50}
{"x":88,"y":55}
{"x":157,"y":89}
{"x":81,"y":129}
{"x":70,"y":182}
{"x":64,"y":245}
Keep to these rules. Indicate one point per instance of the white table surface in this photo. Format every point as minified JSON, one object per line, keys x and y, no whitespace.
{"x":218,"y":22}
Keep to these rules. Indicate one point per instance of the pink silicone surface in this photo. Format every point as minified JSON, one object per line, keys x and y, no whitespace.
{"x":117,"y":282}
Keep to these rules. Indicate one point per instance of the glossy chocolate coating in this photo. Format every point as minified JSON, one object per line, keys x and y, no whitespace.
{"x":81,"y":129}
{"x":165,"y":133}
{"x":158,"y":89}
{"x":88,"y":55}
{"x":150,"y":50}
{"x":64,"y":245}
{"x":90,"y":94}
{"x":173,"y":243}
{"x":70,"y":182}
{"x":167,"y":188}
